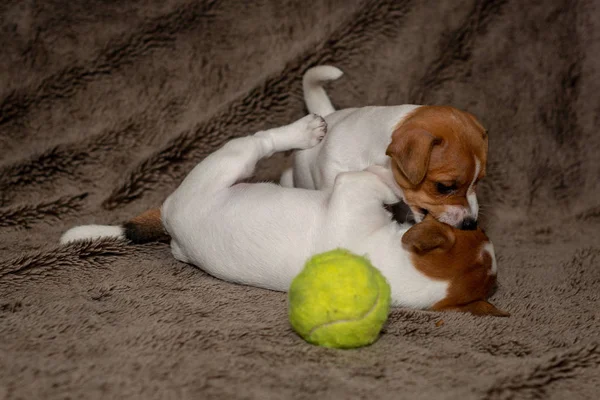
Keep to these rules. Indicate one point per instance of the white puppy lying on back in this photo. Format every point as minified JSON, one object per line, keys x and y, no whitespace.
{"x":261,"y":234}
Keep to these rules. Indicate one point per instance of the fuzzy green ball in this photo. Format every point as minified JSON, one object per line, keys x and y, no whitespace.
{"x":339,"y":300}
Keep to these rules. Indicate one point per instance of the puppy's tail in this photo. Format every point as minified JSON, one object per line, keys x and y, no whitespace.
{"x":146,"y":227}
{"x":315,"y":96}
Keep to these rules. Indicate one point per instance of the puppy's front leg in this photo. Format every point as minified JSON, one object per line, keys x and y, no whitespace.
{"x":355,"y":208}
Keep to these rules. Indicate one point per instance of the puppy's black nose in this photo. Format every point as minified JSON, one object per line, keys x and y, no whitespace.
{"x":469,"y":224}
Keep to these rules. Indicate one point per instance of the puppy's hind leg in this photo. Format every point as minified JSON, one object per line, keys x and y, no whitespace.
{"x":237,"y":159}
{"x":303,"y":134}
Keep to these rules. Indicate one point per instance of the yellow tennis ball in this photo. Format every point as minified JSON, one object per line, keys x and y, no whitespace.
{"x":339,"y":300}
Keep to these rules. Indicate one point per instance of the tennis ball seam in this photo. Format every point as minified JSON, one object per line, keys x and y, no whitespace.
{"x":341,"y":321}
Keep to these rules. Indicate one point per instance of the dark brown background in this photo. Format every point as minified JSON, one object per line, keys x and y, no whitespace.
{"x":106,"y":105}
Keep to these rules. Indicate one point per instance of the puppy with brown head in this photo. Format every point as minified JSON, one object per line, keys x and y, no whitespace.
{"x":436,"y":153}
{"x":439,"y":154}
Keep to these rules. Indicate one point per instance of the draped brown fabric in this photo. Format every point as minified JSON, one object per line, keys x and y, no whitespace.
{"x":106,"y":105}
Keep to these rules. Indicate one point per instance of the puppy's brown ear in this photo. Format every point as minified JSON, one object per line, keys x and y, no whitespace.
{"x":411,"y":149}
{"x":480,"y":308}
{"x":428,"y":235}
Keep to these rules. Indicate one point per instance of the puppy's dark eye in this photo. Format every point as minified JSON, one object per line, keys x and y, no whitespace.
{"x":445,"y":189}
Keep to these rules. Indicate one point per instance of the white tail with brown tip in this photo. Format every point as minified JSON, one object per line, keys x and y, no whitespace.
{"x":146,"y":227}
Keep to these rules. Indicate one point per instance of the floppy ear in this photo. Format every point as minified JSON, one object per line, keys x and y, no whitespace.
{"x":411,"y":149}
{"x":428,"y":235}
{"x":480,"y":308}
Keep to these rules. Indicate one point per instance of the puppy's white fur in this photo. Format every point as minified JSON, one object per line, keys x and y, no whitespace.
{"x":261,"y":234}
{"x":489,"y":247}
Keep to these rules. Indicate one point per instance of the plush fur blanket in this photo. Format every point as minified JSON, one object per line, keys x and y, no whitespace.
{"x":106,"y":105}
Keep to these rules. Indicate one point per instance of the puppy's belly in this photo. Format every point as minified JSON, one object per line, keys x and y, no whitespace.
{"x":253,"y":234}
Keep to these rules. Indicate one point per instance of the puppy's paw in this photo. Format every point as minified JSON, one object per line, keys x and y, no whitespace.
{"x":311,"y":131}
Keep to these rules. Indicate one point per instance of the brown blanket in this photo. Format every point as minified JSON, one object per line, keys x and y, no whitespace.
{"x":106,"y":105}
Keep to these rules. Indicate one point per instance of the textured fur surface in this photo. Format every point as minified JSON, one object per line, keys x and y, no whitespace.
{"x":106,"y":106}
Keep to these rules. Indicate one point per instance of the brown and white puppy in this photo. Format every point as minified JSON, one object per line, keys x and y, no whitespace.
{"x":437,"y":153}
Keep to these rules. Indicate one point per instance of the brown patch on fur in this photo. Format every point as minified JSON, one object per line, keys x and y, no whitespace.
{"x":437,"y":144}
{"x":146,"y":227}
{"x":445,"y":253}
